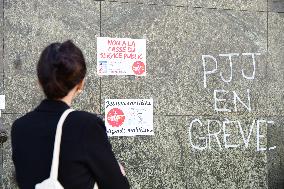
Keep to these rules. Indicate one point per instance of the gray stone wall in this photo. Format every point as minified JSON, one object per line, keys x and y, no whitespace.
{"x":178,"y":33}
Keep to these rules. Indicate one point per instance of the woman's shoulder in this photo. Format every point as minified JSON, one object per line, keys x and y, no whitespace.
{"x":92,"y":125}
{"x":90,"y":119}
{"x":86,"y":115}
{"x":22,"y":119}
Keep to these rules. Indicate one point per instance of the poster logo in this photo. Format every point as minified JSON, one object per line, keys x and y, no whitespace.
{"x":138,"y":67}
{"x":103,"y":67}
{"x":115,"y":117}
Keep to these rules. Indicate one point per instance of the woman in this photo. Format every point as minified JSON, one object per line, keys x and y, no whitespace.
{"x":85,"y":154}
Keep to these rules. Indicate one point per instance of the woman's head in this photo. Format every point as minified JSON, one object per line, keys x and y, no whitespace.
{"x":60,"y":68}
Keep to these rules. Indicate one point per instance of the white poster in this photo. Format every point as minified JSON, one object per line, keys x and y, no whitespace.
{"x":121,"y":56}
{"x":2,"y":102}
{"x":129,"y":117}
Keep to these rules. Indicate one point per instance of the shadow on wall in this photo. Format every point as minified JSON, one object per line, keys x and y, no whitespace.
{"x":3,"y":138}
{"x":275,"y":158}
{"x":277,"y":6}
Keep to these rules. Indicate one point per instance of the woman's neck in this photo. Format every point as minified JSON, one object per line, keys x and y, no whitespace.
{"x":66,"y":100}
{"x":69,"y":97}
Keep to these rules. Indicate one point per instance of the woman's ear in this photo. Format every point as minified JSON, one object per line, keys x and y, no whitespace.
{"x":81,"y":85}
{"x":39,"y":84}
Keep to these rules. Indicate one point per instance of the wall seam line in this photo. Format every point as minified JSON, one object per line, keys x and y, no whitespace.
{"x":267,"y":61}
{"x":3,"y":84}
{"x":3,"y":46}
{"x":191,"y":7}
{"x":100,"y":78}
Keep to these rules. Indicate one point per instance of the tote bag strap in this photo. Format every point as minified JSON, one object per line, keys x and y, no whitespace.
{"x":57,"y":142}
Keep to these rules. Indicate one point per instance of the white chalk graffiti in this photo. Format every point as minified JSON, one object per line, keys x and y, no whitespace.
{"x":222,"y":136}
{"x":207,"y":72}
{"x":235,"y":99}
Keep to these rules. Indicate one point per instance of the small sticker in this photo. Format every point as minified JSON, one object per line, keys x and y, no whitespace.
{"x":2,"y":102}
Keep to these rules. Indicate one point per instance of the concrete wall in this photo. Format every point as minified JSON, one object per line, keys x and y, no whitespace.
{"x":178,"y":33}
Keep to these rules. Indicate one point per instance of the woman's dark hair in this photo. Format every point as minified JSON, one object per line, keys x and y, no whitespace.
{"x":60,"y":68}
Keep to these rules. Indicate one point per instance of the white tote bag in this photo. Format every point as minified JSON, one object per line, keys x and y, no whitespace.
{"x":52,"y":181}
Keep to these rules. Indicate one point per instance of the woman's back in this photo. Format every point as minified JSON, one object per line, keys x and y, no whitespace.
{"x":85,"y":155}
